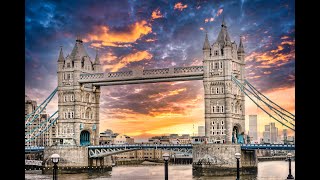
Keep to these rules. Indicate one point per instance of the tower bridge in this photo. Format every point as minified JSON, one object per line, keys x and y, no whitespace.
{"x":223,"y":74}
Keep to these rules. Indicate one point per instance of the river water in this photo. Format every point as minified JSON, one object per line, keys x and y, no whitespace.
{"x":270,"y":170}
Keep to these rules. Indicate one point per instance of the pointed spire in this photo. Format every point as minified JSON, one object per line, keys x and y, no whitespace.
{"x":223,"y":37}
{"x":240,"y":48}
{"x":206,"y":44}
{"x":79,"y":39}
{"x":223,"y":22}
{"x":97,"y":60}
{"x":61,"y":58}
{"x":78,"y":50}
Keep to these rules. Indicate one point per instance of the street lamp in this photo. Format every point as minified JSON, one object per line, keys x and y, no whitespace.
{"x":55,"y":159}
{"x":166,"y":158}
{"x":289,"y":155}
{"x":238,"y":155}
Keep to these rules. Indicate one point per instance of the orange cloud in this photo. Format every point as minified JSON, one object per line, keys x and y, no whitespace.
{"x":219,"y":12}
{"x":95,"y":45}
{"x":285,"y":37}
{"x":165,"y":94}
{"x":209,"y":20}
{"x":150,"y":40}
{"x":275,"y":56}
{"x":179,"y":6}
{"x":267,"y":72}
{"x":108,"y":57}
{"x":135,"y":57}
{"x":156,"y":14}
{"x":106,"y":37}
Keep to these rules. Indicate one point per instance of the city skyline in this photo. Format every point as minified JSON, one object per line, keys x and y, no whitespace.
{"x":159,"y":35}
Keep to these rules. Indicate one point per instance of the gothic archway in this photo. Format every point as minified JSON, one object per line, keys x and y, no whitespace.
{"x":84,"y":138}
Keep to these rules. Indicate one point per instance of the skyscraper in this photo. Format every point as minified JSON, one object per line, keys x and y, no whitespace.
{"x":266,"y":134}
{"x":253,"y":127}
{"x":273,"y":133}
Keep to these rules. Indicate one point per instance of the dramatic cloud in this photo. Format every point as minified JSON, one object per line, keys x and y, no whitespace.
{"x":108,"y":37}
{"x":134,"y":57}
{"x":156,"y":14}
{"x":179,"y":6}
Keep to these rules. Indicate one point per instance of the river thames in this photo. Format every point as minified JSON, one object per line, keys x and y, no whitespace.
{"x":270,"y":170}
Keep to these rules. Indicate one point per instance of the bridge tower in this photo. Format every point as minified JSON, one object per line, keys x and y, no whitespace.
{"x":224,"y":101}
{"x":78,"y":104}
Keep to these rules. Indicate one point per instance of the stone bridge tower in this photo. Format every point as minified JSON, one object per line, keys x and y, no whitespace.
{"x":224,"y":101}
{"x":78,"y":104}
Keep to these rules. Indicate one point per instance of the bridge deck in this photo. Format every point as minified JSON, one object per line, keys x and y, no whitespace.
{"x":138,"y":76}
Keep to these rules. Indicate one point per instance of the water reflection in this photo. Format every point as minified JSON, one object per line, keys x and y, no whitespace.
{"x":272,"y":170}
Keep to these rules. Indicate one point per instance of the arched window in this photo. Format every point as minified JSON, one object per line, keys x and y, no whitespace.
{"x":212,"y":122}
{"x":72,"y":114}
{"x":213,"y":109}
{"x":87,"y":97}
{"x":232,"y":108}
{"x":72,"y":98}
{"x":222,"y":90}
{"x":221,"y":65}
{"x":65,"y":98}
{"x":222,"y":109}
{"x":221,"y":52}
{"x":217,"y":90}
{"x":88,"y":111}
{"x":222,"y":122}
{"x":216,"y":53}
{"x":218,"y":108}
{"x":69,"y":115}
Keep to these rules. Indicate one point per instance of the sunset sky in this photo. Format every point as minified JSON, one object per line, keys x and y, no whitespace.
{"x":160,"y":34}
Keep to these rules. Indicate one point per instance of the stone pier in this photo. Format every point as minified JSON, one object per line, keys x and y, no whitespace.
{"x":219,"y":160}
{"x":74,"y":159}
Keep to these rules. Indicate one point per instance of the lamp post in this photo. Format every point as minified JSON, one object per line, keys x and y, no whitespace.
{"x":289,"y":155}
{"x":238,"y":155}
{"x":55,"y":159}
{"x":166,"y":158}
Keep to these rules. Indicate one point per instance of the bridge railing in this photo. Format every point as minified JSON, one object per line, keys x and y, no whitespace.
{"x":178,"y":71}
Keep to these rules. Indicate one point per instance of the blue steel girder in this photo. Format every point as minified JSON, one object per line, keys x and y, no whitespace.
{"x":268,"y":146}
{"x":107,"y":150}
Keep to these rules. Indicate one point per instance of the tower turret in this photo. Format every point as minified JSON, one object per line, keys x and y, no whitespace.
{"x":206,"y":47}
{"x":97,"y":65}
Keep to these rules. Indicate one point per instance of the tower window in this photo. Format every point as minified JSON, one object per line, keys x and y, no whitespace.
{"x":218,"y":108}
{"x":216,"y":53}
{"x":216,"y":65}
{"x":221,"y":65}
{"x":221,"y":52}
{"x":222,"y":109}
{"x":217,"y":90}
{"x":222,"y":122}
{"x":212,"y":122}
{"x":222,"y":90}
{"x":213,"y":109}
{"x":72,"y":98}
